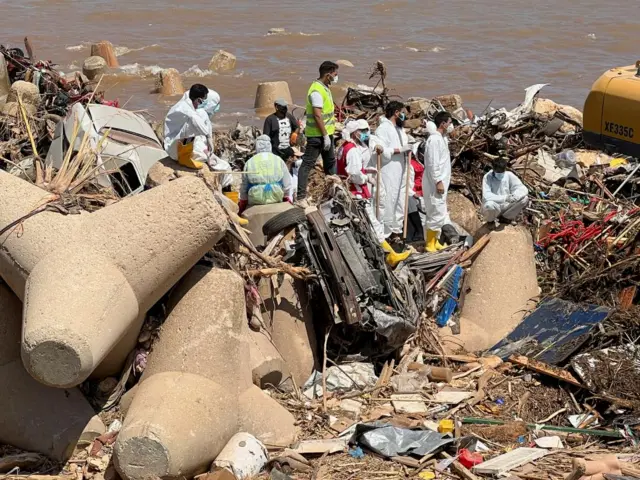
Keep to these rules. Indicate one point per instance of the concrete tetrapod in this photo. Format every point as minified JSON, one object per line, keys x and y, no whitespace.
{"x":288,"y":317}
{"x":35,"y":417}
{"x":502,"y":282}
{"x":196,"y":392}
{"x":86,"y":280}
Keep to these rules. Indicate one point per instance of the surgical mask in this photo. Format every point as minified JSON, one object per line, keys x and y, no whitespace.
{"x":364,"y":137}
{"x":450,"y":128}
{"x":499,"y":176}
{"x":201,"y":105}
{"x":400,"y":120}
{"x":334,"y":80}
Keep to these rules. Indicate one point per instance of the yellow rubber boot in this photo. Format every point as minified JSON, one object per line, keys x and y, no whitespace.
{"x":432,"y":244}
{"x":185,"y":152}
{"x":394,"y":258}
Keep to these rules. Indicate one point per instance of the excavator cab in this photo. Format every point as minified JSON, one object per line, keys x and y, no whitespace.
{"x":612,"y":112}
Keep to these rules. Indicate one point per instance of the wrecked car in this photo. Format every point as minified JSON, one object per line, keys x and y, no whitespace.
{"x":125,"y":143}
{"x":359,"y":290}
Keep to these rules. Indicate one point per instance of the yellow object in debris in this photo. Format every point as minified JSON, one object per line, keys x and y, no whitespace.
{"x":616,"y":162}
{"x":446,"y":426}
{"x":233,"y":196}
{"x":185,"y":152}
{"x":432,"y":244}
{"x":427,"y":475}
{"x":393,"y":258}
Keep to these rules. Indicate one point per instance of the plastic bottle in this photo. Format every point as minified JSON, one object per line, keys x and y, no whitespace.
{"x":566,"y":159}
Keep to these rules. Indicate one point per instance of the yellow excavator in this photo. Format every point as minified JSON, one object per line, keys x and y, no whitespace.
{"x":612,"y":112}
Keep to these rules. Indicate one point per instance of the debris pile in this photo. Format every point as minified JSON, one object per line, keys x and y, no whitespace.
{"x":281,"y":345}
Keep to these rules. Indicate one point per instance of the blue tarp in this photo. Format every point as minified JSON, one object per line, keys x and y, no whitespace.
{"x":552,"y":332}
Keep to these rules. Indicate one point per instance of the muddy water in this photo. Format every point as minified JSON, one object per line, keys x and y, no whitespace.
{"x":484,"y":49}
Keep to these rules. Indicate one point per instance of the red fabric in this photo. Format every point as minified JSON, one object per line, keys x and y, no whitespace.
{"x":362,"y":190}
{"x":469,"y":459}
{"x":418,"y":168}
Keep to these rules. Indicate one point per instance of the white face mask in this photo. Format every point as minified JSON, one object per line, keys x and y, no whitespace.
{"x":499,"y":176}
{"x":450,"y":128}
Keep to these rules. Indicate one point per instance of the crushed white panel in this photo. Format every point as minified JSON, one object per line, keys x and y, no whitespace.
{"x":509,"y":461}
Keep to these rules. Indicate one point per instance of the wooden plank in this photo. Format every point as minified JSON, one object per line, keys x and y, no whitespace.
{"x":477,"y":248}
{"x":408,"y":403}
{"x":451,"y":397}
{"x":626,"y":297}
{"x":513,"y":459}
{"x":332,"y":445}
{"x":545,"y":369}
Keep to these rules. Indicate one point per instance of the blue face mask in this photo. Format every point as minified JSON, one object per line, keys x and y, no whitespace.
{"x":201,"y":105}
{"x":402,"y":117}
{"x":364,"y":137}
{"x":499,"y":176}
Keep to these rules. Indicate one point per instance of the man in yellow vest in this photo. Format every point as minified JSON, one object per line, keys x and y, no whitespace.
{"x":321,"y":125}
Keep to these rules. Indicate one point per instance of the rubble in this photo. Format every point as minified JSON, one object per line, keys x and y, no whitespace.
{"x":261,"y":335}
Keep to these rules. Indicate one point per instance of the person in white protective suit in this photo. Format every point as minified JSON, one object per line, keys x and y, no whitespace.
{"x":503,"y":194}
{"x":416,"y":175}
{"x":266,"y":179}
{"x":436,"y":180}
{"x":394,"y":163}
{"x":354,"y":164}
{"x":187,"y":128}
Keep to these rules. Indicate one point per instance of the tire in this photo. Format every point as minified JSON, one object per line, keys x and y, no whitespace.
{"x":282,"y":221}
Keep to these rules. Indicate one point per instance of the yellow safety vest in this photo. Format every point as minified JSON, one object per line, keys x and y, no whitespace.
{"x":312,"y":129}
{"x":265,"y":180}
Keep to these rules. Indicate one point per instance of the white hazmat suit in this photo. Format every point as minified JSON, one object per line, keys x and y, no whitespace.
{"x":357,"y":160}
{"x":506,"y":196}
{"x":437,"y":168}
{"x":184,"y":121}
{"x":393,"y":174}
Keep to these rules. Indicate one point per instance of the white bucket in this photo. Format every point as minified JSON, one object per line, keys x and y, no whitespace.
{"x":244,"y":455}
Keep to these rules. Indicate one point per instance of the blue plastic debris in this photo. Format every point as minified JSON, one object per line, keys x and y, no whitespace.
{"x":500,"y":401}
{"x":356,"y":452}
{"x":453,"y":289}
{"x":552,"y":332}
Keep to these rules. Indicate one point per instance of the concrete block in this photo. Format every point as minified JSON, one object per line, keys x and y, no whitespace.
{"x":222,"y":61}
{"x":268,"y":92}
{"x":169,"y":82}
{"x":137,"y":249}
{"x":28,"y":93}
{"x":258,"y":216}
{"x":268,"y":368}
{"x":12,"y":109}
{"x":463,"y":212}
{"x":265,"y":418}
{"x":5,"y":84}
{"x":34,"y":417}
{"x":502,"y":283}
{"x":196,"y":392}
{"x":290,"y":323}
{"x":94,"y":67}
{"x":105,"y":50}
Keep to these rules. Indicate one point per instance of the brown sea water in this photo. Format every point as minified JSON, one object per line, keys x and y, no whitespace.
{"x":484,"y":50}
